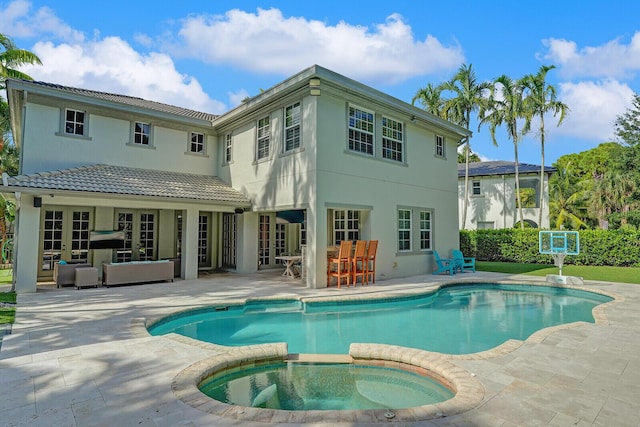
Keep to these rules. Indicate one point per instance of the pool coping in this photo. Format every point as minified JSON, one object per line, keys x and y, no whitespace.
{"x":469,"y":391}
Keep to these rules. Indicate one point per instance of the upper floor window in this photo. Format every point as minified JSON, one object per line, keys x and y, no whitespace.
{"x":264,"y":138}
{"x":292,"y":115}
{"x":392,"y":139}
{"x":197,"y":143}
{"x":142,"y":133}
{"x":439,"y":146}
{"x":476,"y":188}
{"x":74,"y":122}
{"x":404,"y":230}
{"x":361,"y":126}
{"x":227,"y":148}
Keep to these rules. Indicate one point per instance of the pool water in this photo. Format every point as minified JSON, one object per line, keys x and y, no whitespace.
{"x":301,"y":386}
{"x":457,"y":319}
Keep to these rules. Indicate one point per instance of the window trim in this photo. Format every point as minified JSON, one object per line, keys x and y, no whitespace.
{"x":415,"y":231}
{"x":393,"y":140}
{"x":286,"y":127}
{"x":227,"y":154}
{"x":440,"y":146}
{"x":132,"y":135}
{"x":404,"y":230}
{"x":475,"y":187}
{"x":429,"y":230}
{"x":350,"y":215}
{"x":265,"y":137}
{"x":62,"y":131}
{"x":355,"y":129}
{"x":190,"y":143}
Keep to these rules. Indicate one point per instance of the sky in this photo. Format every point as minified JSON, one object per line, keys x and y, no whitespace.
{"x":209,"y":55}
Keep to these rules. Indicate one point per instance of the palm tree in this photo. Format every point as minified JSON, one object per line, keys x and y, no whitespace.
{"x":541,"y":99}
{"x":566,"y":201}
{"x":431,"y":99}
{"x":468,"y":97}
{"x":505,"y":107}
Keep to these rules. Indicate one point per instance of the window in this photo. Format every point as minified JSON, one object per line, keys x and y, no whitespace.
{"x":486,"y":225}
{"x":74,"y":122}
{"x":292,"y":127}
{"x":476,"y":188}
{"x":361,"y":127}
{"x":141,"y":133}
{"x":346,"y":226}
{"x":404,"y":230}
{"x":425,"y":230}
{"x":227,"y":148}
{"x":392,"y":137}
{"x":439,"y":146}
{"x":197,"y":143}
{"x":264,"y":134}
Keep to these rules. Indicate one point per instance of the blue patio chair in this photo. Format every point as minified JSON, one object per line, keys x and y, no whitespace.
{"x":463,"y":263}
{"x":444,"y":265}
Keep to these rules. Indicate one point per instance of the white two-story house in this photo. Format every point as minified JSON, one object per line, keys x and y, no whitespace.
{"x":314,"y":160}
{"x":492,"y":195}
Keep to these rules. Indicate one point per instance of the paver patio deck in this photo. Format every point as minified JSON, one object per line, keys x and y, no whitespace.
{"x":74,"y":359}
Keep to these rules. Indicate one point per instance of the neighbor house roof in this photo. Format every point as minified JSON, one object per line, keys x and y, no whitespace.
{"x":500,"y":167}
{"x":118,"y":180}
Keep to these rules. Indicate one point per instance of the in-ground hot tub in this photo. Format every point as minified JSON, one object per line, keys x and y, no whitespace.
{"x":371,"y":391}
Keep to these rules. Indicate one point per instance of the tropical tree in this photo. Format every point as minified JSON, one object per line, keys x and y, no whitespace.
{"x":627,"y":125}
{"x":430,"y":97}
{"x":541,"y":99}
{"x":566,"y":199}
{"x":473,"y":157}
{"x":468,"y":97}
{"x":505,"y":106}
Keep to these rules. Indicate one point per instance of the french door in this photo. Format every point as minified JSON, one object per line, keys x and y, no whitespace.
{"x":65,"y":236}
{"x":140,"y":235}
{"x":229,"y":236}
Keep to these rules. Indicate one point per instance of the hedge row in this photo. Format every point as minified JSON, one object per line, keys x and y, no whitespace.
{"x":597,"y":247}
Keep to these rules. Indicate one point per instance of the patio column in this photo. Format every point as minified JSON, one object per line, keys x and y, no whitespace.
{"x":26,"y":244}
{"x":189,"y":262}
{"x":247,"y":250}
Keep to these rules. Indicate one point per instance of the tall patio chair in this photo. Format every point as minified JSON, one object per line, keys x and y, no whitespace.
{"x":340,"y":265}
{"x":444,"y":265}
{"x":371,"y":261}
{"x":462,"y":262}
{"x":359,"y":263}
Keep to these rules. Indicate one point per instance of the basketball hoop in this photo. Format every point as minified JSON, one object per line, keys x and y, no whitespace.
{"x":558,"y":260}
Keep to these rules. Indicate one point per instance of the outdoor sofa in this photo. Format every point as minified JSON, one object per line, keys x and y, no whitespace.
{"x":137,"y":272}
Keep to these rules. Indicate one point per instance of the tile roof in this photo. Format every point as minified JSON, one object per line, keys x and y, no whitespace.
{"x":129,"y":100}
{"x":500,"y":167}
{"x":106,"y":179}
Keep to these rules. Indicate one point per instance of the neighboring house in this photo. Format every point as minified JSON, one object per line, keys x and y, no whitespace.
{"x":492,"y":195}
{"x":314,"y":160}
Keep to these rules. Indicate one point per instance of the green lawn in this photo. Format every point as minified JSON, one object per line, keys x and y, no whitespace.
{"x":7,"y":315}
{"x":6,"y":276}
{"x":607,"y":274}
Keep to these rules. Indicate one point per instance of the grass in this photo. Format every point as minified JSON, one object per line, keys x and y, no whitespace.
{"x":6,"y":276}
{"x":601,"y":273}
{"x":7,"y":315}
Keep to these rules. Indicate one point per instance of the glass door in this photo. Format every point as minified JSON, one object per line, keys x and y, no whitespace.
{"x":264,"y":241}
{"x":229,"y":235}
{"x":140,"y":235}
{"x":204,"y":247}
{"x":65,"y":236}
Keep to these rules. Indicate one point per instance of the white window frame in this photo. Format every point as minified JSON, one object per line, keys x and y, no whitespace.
{"x":439,"y":146}
{"x":228,"y":148}
{"x":141,"y":134}
{"x":263,"y":138}
{"x":346,"y":225}
{"x":64,"y":122}
{"x":292,"y":127}
{"x":404,"y":230}
{"x":200,"y":142}
{"x":392,"y":139}
{"x":426,"y":230}
{"x":476,"y":190}
{"x":361,"y":124}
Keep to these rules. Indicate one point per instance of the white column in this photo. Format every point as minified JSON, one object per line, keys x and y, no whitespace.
{"x":189,"y":262}
{"x":316,"y":247}
{"x":247,"y":243}
{"x":26,"y":244}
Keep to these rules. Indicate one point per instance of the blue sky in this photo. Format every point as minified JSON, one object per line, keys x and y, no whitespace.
{"x":208,"y":55}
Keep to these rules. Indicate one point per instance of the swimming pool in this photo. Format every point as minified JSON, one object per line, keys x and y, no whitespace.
{"x":458,"y":319}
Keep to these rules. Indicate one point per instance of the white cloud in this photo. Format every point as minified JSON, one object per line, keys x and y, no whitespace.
{"x":269,"y":42}
{"x":613,"y":59}
{"x":235,"y":98}
{"x":594,"y":108}
{"x":17,"y":20}
{"x":112,"y":65}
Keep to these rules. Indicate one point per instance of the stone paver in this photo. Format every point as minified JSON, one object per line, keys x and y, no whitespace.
{"x":81,"y":358}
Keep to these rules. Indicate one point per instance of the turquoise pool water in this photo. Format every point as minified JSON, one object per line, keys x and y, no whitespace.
{"x":456,"y":319}
{"x":303,"y":387}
